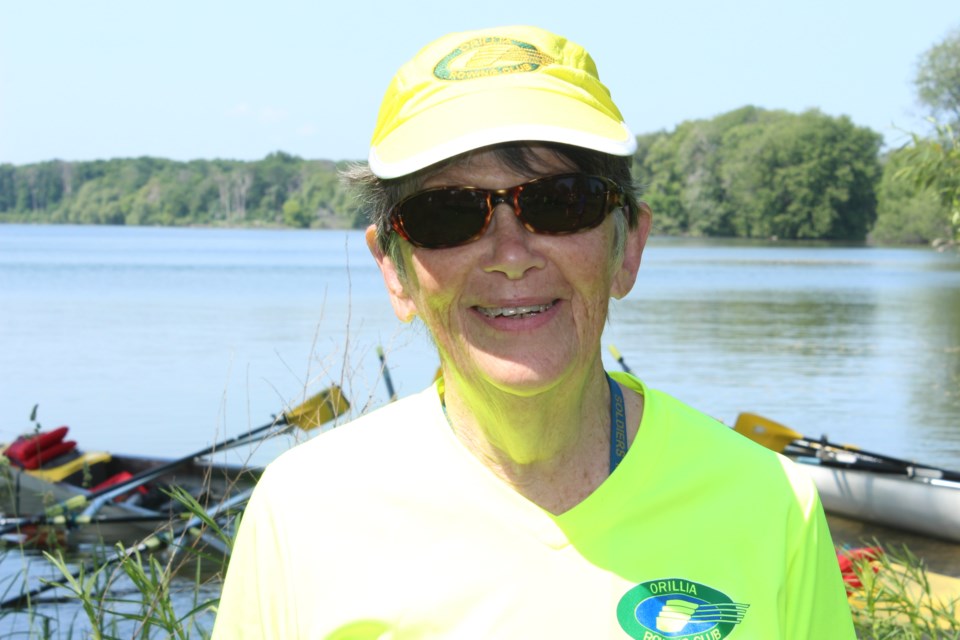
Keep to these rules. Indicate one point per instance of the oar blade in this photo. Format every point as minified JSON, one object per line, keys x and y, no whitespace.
{"x":615,"y":352}
{"x":319,"y":409}
{"x":619,"y":358}
{"x":765,"y":431}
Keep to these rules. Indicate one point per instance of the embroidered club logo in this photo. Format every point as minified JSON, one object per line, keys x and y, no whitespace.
{"x":490,"y":56}
{"x":678,"y":609}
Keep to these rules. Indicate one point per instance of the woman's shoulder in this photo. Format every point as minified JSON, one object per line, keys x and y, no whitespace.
{"x":671,"y":425}
{"x":660,"y":409}
{"x":709,"y":439}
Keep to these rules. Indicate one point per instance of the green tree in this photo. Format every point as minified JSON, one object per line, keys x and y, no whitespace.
{"x":906,"y":214}
{"x":657,"y":172}
{"x":8,"y":196}
{"x":757,"y":173}
{"x":933,"y":163}
{"x":294,"y":215}
{"x":275,"y":178}
{"x":830,"y":190}
{"x":938,"y":79}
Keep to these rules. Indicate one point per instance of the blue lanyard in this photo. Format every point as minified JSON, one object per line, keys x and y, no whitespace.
{"x":618,"y":425}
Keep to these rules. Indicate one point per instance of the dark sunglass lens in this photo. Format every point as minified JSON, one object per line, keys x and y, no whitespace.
{"x":444,"y":217}
{"x":565,"y":204}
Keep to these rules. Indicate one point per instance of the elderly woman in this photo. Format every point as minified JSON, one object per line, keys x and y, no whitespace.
{"x":528,"y":493}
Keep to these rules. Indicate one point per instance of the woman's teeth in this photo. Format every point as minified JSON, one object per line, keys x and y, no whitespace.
{"x":514,"y":312}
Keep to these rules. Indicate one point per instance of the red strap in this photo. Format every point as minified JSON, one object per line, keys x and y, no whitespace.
{"x":26,"y":447}
{"x":117,"y":478}
{"x":45,"y":455}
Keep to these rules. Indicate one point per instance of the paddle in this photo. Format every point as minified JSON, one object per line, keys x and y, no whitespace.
{"x":151,"y":543}
{"x":386,"y":374}
{"x":619,"y":358}
{"x":316,"y":410}
{"x":778,"y":437}
{"x":71,"y":521}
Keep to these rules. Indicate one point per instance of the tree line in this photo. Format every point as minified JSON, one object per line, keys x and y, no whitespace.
{"x":754,"y":173}
{"x":749,"y":173}
{"x":280,"y":190}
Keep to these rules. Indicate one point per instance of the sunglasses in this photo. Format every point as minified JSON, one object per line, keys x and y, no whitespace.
{"x":555,"y":205}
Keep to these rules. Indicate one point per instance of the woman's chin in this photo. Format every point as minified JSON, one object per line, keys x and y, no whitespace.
{"x":516,"y":375}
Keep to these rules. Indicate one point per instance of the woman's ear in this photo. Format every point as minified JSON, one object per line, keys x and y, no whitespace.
{"x":626,"y":275}
{"x":403,"y":304}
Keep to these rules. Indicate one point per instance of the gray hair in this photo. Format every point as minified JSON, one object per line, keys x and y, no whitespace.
{"x":376,"y":195}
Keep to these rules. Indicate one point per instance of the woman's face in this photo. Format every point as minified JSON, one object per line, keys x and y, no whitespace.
{"x":517,"y":310}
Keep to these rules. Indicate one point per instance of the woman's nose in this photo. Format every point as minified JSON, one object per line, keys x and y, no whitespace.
{"x":511,"y":250}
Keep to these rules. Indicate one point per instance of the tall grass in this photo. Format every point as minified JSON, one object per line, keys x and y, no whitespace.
{"x":899,"y":599}
{"x":165,"y":586}
{"x":174,"y":595}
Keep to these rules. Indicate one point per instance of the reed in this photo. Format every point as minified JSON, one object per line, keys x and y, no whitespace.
{"x":174,"y":595}
{"x":897,"y":599}
{"x":126,"y":593}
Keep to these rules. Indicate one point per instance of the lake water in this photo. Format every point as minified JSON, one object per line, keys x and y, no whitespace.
{"x":163,"y":341}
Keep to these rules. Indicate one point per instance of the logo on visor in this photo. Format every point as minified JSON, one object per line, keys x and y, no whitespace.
{"x":490,"y":56}
{"x":678,"y":609}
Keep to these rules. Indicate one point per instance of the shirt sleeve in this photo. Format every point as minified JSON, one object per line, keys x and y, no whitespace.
{"x":252,"y":602}
{"x":815,"y":598}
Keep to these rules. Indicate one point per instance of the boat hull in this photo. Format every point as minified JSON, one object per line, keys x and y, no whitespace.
{"x":923,"y":505}
{"x":134,"y":516}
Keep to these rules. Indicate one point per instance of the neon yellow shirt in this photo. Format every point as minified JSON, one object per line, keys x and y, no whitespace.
{"x":389,"y":528}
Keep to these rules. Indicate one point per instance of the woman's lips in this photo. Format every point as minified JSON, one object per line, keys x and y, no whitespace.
{"x":520,"y":311}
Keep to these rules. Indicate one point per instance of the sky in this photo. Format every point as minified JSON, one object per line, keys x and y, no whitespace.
{"x":204,"y":79}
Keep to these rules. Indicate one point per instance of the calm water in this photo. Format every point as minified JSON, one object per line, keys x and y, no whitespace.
{"x":160,"y":341}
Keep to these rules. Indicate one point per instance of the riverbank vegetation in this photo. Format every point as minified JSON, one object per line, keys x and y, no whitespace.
{"x":893,"y":595}
{"x":279,"y":190}
{"x":170,"y":595}
{"x":750,"y":173}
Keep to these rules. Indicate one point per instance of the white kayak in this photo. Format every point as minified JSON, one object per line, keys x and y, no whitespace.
{"x":916,"y":503}
{"x":867,"y":486}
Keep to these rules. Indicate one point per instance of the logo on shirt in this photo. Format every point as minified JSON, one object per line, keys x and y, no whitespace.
{"x":490,"y":56}
{"x":678,"y":609}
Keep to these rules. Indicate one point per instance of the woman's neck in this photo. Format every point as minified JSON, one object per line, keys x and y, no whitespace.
{"x":552,"y":447}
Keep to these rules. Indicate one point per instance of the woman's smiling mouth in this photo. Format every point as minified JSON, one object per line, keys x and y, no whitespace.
{"x":524,"y":311}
